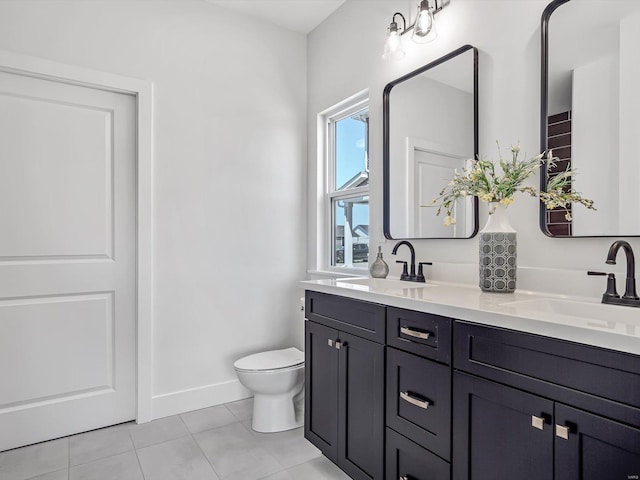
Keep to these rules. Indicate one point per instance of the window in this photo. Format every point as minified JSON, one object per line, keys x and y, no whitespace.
{"x":347,"y":199}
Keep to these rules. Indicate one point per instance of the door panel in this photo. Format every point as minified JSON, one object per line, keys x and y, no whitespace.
{"x":596,"y":447}
{"x":67,"y":259}
{"x":55,"y":154}
{"x":361,"y":407}
{"x":493,"y":432}
{"x":44,"y":323}
{"x":321,"y":388}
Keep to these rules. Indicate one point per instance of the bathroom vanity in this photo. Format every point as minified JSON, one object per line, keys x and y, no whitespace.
{"x":440,"y":381}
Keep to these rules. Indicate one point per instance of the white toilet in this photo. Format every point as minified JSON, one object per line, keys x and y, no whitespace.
{"x":276,"y":379}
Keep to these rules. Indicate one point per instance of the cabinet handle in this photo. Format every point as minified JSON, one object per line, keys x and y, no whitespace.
{"x":413,"y":400}
{"x":405,"y":477}
{"x":414,"y":333}
{"x":338,"y":344}
{"x":330,"y":342}
{"x":562,"y":431}
{"x":537,"y":422}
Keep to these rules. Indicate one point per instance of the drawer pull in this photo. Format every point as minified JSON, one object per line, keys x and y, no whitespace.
{"x":414,"y":333}
{"x":562,"y":432}
{"x":537,"y":422}
{"x":413,"y":400}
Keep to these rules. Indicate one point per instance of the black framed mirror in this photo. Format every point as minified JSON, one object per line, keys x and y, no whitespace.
{"x":589,"y":107}
{"x":430,"y":128}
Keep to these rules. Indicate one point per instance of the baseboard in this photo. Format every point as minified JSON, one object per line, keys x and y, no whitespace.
{"x":183,"y":401}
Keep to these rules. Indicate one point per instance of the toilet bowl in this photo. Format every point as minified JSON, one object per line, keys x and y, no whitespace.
{"x":276,"y":379}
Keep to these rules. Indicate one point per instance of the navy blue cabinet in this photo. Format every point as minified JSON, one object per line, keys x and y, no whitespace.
{"x":361,"y":407}
{"x":398,"y":394}
{"x":419,"y":400}
{"x":407,"y":460}
{"x":321,"y":384}
{"x":500,"y":432}
{"x":344,"y":398}
{"x":530,"y":432}
{"x":594,"y":447}
{"x":418,"y":444}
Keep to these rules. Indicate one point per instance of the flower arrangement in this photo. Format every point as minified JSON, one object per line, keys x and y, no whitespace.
{"x":483,"y":179}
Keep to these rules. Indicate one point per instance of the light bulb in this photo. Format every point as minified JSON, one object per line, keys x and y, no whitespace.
{"x":424,"y":29}
{"x":393,"y":46}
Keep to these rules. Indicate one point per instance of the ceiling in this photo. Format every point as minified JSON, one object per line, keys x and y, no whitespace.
{"x":297,"y":15}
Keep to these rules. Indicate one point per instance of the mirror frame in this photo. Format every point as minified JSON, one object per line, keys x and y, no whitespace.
{"x":544,"y":111}
{"x":386,"y":133}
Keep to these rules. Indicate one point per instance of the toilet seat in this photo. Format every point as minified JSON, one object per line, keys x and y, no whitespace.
{"x":272,"y":360}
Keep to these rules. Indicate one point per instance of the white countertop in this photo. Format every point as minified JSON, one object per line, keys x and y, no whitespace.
{"x":582,"y":320}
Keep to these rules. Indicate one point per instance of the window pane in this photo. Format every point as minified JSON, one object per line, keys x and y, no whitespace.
{"x":350,"y":231}
{"x":352,"y":169}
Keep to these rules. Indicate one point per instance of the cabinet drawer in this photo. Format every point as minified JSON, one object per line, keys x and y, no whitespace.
{"x":591,"y":378}
{"x":360,"y":318}
{"x":420,"y":333}
{"x":419,"y":400}
{"x":407,"y":460}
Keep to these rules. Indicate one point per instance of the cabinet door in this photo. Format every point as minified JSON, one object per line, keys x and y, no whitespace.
{"x":595,"y":448}
{"x":497,"y":434}
{"x":321,"y":384}
{"x":361,"y":408}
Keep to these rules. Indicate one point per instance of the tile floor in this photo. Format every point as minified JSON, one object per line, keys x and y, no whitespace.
{"x":215,"y":443}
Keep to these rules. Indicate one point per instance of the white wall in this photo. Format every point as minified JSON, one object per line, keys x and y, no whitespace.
{"x":507,"y":34}
{"x":596,"y":113}
{"x":229,"y":170}
{"x":629,"y":171}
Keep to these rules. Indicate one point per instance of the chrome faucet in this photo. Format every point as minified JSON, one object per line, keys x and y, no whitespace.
{"x":630,"y":296}
{"x":410,"y":277}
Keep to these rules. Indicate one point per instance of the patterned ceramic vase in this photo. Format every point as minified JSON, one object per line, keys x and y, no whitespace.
{"x":498,"y":252}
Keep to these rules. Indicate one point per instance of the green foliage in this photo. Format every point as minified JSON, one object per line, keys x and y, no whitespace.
{"x":483,"y":178}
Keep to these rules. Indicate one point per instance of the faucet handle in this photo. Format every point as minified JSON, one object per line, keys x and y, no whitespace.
{"x":611,"y":292}
{"x":405,"y":273}
{"x":420,"y":276}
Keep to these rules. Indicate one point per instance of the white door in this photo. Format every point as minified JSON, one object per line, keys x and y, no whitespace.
{"x":67,"y":259}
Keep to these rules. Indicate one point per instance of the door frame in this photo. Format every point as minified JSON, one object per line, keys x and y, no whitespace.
{"x":142,"y":90}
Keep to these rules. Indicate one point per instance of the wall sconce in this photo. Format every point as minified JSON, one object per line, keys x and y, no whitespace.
{"x":424,"y":28}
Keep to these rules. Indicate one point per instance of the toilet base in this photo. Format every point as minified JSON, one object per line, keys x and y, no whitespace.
{"x":274,"y":413}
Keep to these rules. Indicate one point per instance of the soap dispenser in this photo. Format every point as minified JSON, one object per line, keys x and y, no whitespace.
{"x":379,"y":268}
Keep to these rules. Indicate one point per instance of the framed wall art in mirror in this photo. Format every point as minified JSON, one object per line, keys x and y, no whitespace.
{"x":430,"y":128}
{"x":589,"y":113}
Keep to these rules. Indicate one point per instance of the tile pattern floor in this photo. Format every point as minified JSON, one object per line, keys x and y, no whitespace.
{"x":215,"y":443}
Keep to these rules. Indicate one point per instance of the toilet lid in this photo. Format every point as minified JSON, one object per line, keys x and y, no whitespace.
{"x":272,"y":360}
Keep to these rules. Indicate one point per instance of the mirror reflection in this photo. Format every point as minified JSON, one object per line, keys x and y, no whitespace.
{"x":590,"y":111}
{"x":430,"y":129}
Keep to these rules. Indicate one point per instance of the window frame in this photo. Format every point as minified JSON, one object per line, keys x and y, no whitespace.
{"x":331,"y":194}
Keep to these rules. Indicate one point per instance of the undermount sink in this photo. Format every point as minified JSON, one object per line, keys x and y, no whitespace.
{"x":383,"y":283}
{"x":573,"y":308}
